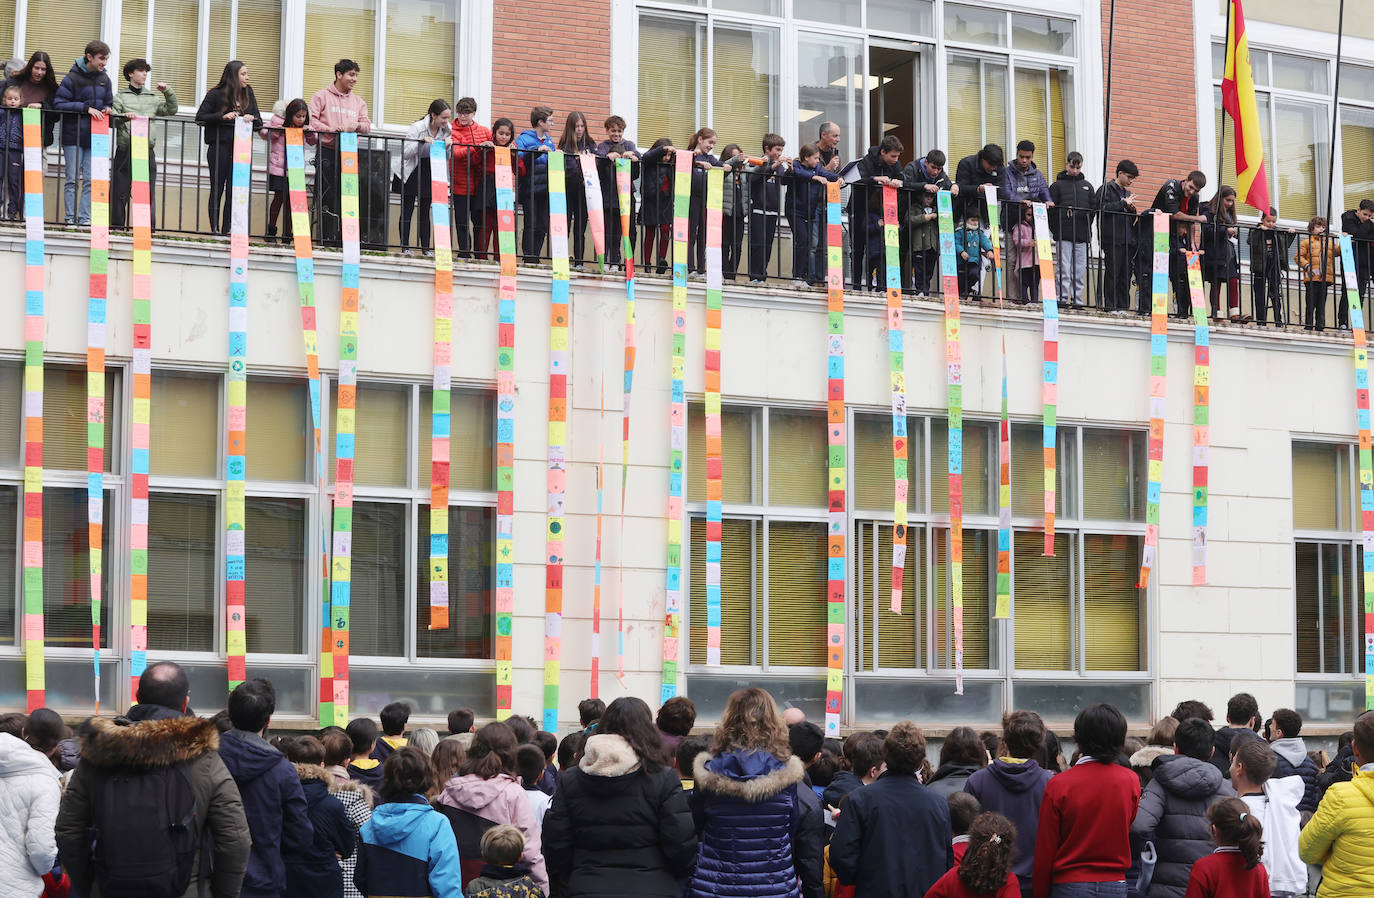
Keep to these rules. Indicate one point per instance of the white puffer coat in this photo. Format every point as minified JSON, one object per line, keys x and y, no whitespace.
{"x":29,"y":795}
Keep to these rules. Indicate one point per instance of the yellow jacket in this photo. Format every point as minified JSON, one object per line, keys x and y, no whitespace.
{"x":1340,"y":837}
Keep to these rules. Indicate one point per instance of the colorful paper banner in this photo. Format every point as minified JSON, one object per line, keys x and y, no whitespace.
{"x":595,"y":685}
{"x":34,"y":327}
{"x":141,"y":216}
{"x":1002,"y":608}
{"x":95,"y":374}
{"x":236,"y":425}
{"x":596,"y":215}
{"x":505,"y":430}
{"x":836,"y":430}
{"x":896,"y":356}
{"x":677,"y":434}
{"x":995,"y":229}
{"x":441,"y":395}
{"x":1049,"y":390}
{"x":1159,"y":385}
{"x":558,"y":439}
{"x":1366,"y":462}
{"x":622,"y":183}
{"x":715,"y":181}
{"x":949,"y":284}
{"x":1202,"y":380}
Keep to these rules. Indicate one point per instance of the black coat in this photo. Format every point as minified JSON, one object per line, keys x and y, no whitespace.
{"x":656,"y":188}
{"x":1071,"y":218}
{"x":866,"y":197}
{"x":1220,"y":259}
{"x":893,"y":838}
{"x":219,"y":132}
{"x":615,"y":830}
{"x":1269,"y":249}
{"x":1362,"y":239}
{"x":1338,"y":771}
{"x":315,"y":872}
{"x":1118,"y":223}
{"x":970,"y":177}
{"x":1173,"y":815}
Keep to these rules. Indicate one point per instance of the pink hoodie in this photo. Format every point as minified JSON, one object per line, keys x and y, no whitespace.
{"x":500,"y":799}
{"x":332,"y":110}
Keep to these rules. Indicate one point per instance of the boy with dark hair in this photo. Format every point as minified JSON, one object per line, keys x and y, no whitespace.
{"x":589,"y":711}
{"x":864,"y":751}
{"x":765,"y":198}
{"x":877,"y":169}
{"x":983,"y":167}
{"x":1181,"y":200}
{"x":529,"y":764}
{"x":1071,"y":223}
{"x":1275,"y":805}
{"x":1291,"y":752}
{"x":1117,"y":232}
{"x":963,"y":807}
{"x":1014,"y":784}
{"x":471,"y":141}
{"x":394,"y":718}
{"x":1024,"y":183}
{"x":805,"y":198}
{"x":570,"y":750}
{"x":364,"y":767}
{"x":1242,"y":713}
{"x":805,"y":739}
{"x":535,"y":144}
{"x":1359,"y":224}
{"x":685,"y":758}
{"x":548,"y":744}
{"x":461,"y":720}
{"x":925,"y":177}
{"x":85,"y":94}
{"x":1191,"y":708}
{"x":616,"y":146}
{"x":675,"y":720}
{"x":136,"y":99}
{"x":1269,"y":248}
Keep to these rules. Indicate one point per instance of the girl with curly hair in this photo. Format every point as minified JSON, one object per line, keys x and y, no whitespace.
{"x":986,"y":869}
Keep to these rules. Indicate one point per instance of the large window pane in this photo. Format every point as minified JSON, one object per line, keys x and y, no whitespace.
{"x":977,"y":471}
{"x":63,"y":29}
{"x":182,"y":572}
{"x":11,"y":413}
{"x":1032,"y":112}
{"x":974,"y":25}
{"x":797,"y":577}
{"x":797,"y":459}
{"x":896,"y":637}
{"x":184,"y":422}
{"x":672,"y":63}
{"x":381,"y":430}
{"x":738,"y":462}
{"x":377,"y":609}
{"x":977,"y":111}
{"x":904,"y":16}
{"x":978,"y":648}
{"x":826,"y":11}
{"x":1028,"y":469}
{"x":64,"y":418}
{"x":7,"y":23}
{"x":1043,"y":591}
{"x":1324,"y":584}
{"x":421,"y":36}
{"x":469,"y":635}
{"x":1357,"y":82}
{"x":174,"y":57}
{"x":280,"y":430}
{"x":1303,"y":142}
{"x":873,"y":477}
{"x":1357,"y":148}
{"x":9,"y":559}
{"x":745,"y":84}
{"x":472,"y":440}
{"x":275,"y":574}
{"x":1300,"y":73}
{"x":1114,"y":475}
{"x":258,"y":45}
{"x":1321,"y":486}
{"x":1042,"y":34}
{"x":829,"y":75}
{"x":66,"y":570}
{"x":758,"y":7}
{"x":335,"y":29}
{"x":741,"y":612}
{"x":1113,"y":608}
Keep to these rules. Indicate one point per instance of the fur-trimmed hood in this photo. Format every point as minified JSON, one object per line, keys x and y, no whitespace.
{"x":308,"y":772}
{"x":1149,"y":754}
{"x":752,"y":776}
{"x":152,"y":743}
{"x":608,"y":754}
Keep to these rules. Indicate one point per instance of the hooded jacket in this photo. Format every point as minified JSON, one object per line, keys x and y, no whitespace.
{"x":1074,"y":200}
{"x":1276,"y":809}
{"x":1143,"y":762}
{"x":29,"y":794}
{"x":971,"y":177}
{"x":79,"y":91}
{"x":356,"y":799}
{"x":844,"y":782}
{"x":1118,"y":224}
{"x":473,"y":805}
{"x":315,"y":871}
{"x":118,"y":744}
{"x":893,"y":838}
{"x":1173,"y":815}
{"x":951,"y":778}
{"x":1362,"y":237}
{"x":536,"y":181}
{"x":1221,"y":742}
{"x":1340,"y":837}
{"x":1293,"y":761}
{"x":275,"y":806}
{"x":1338,"y":771}
{"x":1013,"y":789}
{"x":333,"y":110}
{"x":747,"y":810}
{"x":925,"y":234}
{"x":1025,"y":186}
{"x":408,"y":851}
{"x":617,"y":830}
{"x":468,"y":162}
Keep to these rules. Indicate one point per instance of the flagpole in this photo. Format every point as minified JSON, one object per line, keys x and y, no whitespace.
{"x":1221,"y":139}
{"x":1107,"y":106}
{"x":1335,"y":119}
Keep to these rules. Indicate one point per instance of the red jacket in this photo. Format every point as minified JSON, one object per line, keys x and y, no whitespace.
{"x":951,"y":886}
{"x":467,"y":158}
{"x":1223,"y":875}
{"x":1084,"y":833}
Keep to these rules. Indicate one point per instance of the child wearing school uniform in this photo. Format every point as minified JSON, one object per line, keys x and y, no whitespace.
{"x":805,"y":197}
{"x":656,"y":209}
{"x":985,"y":868}
{"x":700,"y":147}
{"x":615,"y":147}
{"x":765,"y":201}
{"x":1268,"y":261}
{"x":734,"y":209}
{"x":1233,"y":870}
{"x":573,"y":142}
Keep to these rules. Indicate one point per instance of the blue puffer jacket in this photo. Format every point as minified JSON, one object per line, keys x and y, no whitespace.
{"x":536,"y":182}
{"x":408,"y":849}
{"x":746,"y":809}
{"x":79,"y":91}
{"x":1293,"y":761}
{"x":274,"y":803}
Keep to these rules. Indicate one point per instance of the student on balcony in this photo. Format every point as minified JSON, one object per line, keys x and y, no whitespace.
{"x":231,"y":99}
{"x":136,"y":99}
{"x":336,"y":108}
{"x":85,"y":94}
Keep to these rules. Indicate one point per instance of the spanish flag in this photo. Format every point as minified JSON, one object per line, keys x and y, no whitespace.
{"x":1238,"y":98}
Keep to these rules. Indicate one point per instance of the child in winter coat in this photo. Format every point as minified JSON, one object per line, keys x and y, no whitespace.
{"x":1233,"y":870}
{"x":1317,"y":255}
{"x":734,"y":210}
{"x":29,"y":796}
{"x":502,"y":135}
{"x":295,"y":114}
{"x":407,"y":846}
{"x":535,"y":144}
{"x":1268,"y":261}
{"x":12,"y":149}
{"x":985,"y":871}
{"x":971,"y":245}
{"x":315,"y":871}
{"x":503,"y":875}
{"x":136,"y":98}
{"x":615,"y":147}
{"x":86,"y":86}
{"x":573,"y":142}
{"x":700,"y":146}
{"x":765,"y":199}
{"x":1023,"y":256}
{"x":804,"y":199}
{"x":656,"y":210}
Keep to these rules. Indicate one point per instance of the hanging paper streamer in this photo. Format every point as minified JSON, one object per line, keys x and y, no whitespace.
{"x":236,"y":425}
{"x":836,"y":428}
{"x":1357,"y":327}
{"x":1049,"y":391}
{"x":622,"y":184}
{"x":558,"y":438}
{"x":715,"y":180}
{"x":596,"y":578}
{"x":677,"y":435}
{"x":896,"y":354}
{"x":34,"y":324}
{"x":949,"y":284}
{"x":95,"y":373}
{"x":141,"y":368}
{"x":441,"y":395}
{"x":305,"y":287}
{"x":1159,"y":348}
{"x":1003,"y":606}
{"x":995,"y":228}
{"x":596,"y":215}
{"x":1202,"y":380}
{"x":505,"y":430}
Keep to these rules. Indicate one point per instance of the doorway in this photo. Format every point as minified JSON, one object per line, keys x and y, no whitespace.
{"x":896,"y":77}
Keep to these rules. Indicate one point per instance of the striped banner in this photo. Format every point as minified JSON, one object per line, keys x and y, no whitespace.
{"x":1202,"y":388}
{"x":1357,"y":327}
{"x":305,"y":287}
{"x":1159,"y":357}
{"x":1049,"y":390}
{"x":595,"y":685}
{"x":34,"y":326}
{"x":1003,"y":606}
{"x":896,"y":355}
{"x":949,"y":284}
{"x":995,"y":229}
{"x":345,"y":423}
{"x":836,"y":428}
{"x":558,"y":439}
{"x":505,"y":430}
{"x":596,"y":214}
{"x":236,"y":424}
{"x":622,"y":184}
{"x":677,"y":434}
{"x":441,"y":395}
{"x":95,"y":374}
{"x":141,"y":369}
{"x":715,"y":183}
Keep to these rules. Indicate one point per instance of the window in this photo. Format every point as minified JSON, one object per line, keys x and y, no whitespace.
{"x":66,"y":569}
{"x":49,"y":26}
{"x":256,"y":42}
{"x":339,"y":29}
{"x":829,"y":77}
{"x":9,"y":560}
{"x":172,"y":26}
{"x":182,"y":572}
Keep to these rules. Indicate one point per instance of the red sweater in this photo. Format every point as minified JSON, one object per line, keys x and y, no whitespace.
{"x":1085,"y":826}
{"x":960,"y":849}
{"x":951,"y":886}
{"x":1222,"y":874}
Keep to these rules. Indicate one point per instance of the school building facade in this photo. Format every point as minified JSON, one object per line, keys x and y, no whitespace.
{"x":1281,"y":614}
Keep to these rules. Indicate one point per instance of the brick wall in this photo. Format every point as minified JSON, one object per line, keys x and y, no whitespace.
{"x":553,"y":54}
{"x":1154,"y":106}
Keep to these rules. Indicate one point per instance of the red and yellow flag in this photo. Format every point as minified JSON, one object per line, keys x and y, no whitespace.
{"x":1238,"y":98}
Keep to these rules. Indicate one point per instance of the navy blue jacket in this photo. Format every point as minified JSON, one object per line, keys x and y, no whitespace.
{"x":805,"y":196}
{"x":865,"y":197}
{"x":12,"y":134}
{"x":1014,"y":791}
{"x":408,"y":849}
{"x":656,"y":188}
{"x":893,"y":838}
{"x":79,"y":91}
{"x":1287,"y":751}
{"x":765,"y":191}
{"x":275,"y":806}
{"x":316,"y":872}
{"x":747,"y":811}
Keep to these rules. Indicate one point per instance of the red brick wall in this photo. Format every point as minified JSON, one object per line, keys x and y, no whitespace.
{"x":553,"y":54}
{"x":1154,"y":107}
